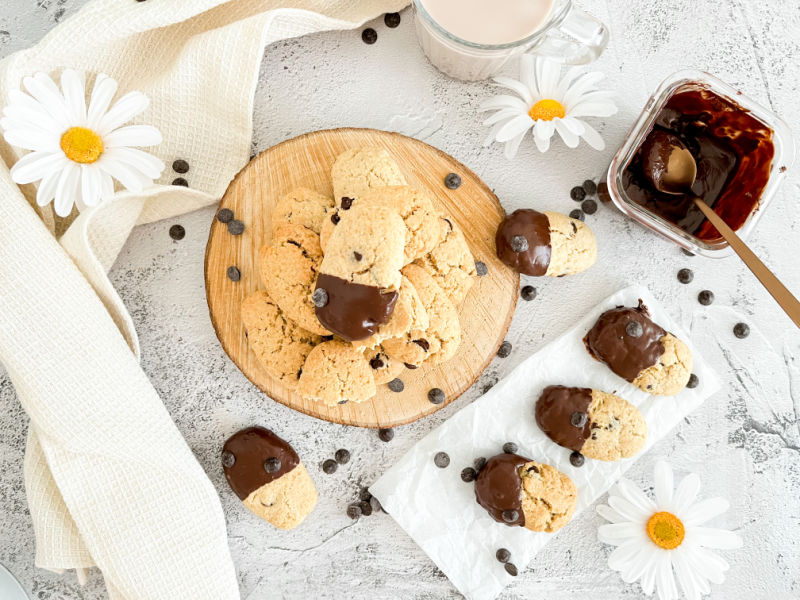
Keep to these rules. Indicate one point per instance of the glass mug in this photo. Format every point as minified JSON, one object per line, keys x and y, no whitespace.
{"x":567,"y":34}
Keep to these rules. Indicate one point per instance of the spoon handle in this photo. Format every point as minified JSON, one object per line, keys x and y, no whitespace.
{"x":783,"y":296}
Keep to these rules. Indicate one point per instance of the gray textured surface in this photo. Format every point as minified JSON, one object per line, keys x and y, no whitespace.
{"x":745,"y":442}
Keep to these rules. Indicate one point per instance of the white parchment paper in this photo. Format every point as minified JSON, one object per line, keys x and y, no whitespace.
{"x":439,"y":511}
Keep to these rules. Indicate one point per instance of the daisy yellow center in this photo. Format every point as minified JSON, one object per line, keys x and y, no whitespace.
{"x":547,"y":110}
{"x":81,"y":145}
{"x":666,"y":530}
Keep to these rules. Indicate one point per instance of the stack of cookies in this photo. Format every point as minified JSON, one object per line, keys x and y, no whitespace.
{"x":357,"y":287}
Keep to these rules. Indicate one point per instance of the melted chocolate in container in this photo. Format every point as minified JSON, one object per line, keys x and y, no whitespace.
{"x":535,"y":228}
{"x":353,"y":310}
{"x":499,"y":487}
{"x":554,"y":413}
{"x":251,"y":448}
{"x":733,"y":151}
{"x":627,"y":356}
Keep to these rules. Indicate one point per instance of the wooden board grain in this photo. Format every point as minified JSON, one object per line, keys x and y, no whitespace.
{"x":306,"y":161}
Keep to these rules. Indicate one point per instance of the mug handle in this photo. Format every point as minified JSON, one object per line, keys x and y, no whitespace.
{"x":579,"y":39}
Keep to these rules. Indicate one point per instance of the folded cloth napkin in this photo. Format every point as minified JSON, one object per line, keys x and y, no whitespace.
{"x":110,"y":481}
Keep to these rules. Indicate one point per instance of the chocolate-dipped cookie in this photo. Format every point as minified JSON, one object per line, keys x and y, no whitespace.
{"x":596,"y":424}
{"x":545,"y":243}
{"x":517,"y":491}
{"x":640,"y":351}
{"x":265,"y":473}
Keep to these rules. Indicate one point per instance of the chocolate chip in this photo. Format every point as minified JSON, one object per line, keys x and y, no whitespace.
{"x":510,"y":448}
{"x":511,"y":569}
{"x":234,"y":274}
{"x":410,"y":366}
{"x":329,"y":466}
{"x":441,"y":460}
{"x":590,"y":187}
{"x":180,"y":166}
{"x":369,"y":36}
{"x":741,"y":330}
{"x":533,"y":468}
{"x":354,"y":511}
{"x":479,"y":463}
{"x":577,"y":193}
{"x":365,"y":495}
{"x":510,"y":515}
{"x":235,"y":227}
{"x":358,"y":255}
{"x":335,"y":219}
{"x":376,"y":362}
{"x":519,"y":244}
{"x":705,"y":297}
{"x":589,"y":206}
{"x":693,"y":382}
{"x":180,"y":181}
{"x":436,"y":396}
{"x":340,"y":401}
{"x":481,"y":268}
{"x":386,"y":435}
{"x":397,"y":385}
{"x":578,"y":419}
{"x":685,"y":275}
{"x":577,"y":214}
{"x":452,"y":181}
{"x":391,"y":20}
{"x":504,"y":350}
{"x":634,"y":329}
{"x":366,"y":508}
{"x":342,"y":456}
{"x":346,"y":203}
{"x":177,"y":232}
{"x":424,"y":344}
{"x":687,"y":252}
{"x":577,"y":459}
{"x":228,"y":459}
{"x":502,"y":555}
{"x":272,"y":465}
{"x":225,"y":215}
{"x":602,"y":192}
{"x":528,"y":293}
{"x":468,"y":474}
{"x":319,"y":297}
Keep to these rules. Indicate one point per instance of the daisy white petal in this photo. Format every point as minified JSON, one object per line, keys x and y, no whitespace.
{"x":102,"y":94}
{"x":132,"y":179}
{"x":641,"y":563}
{"x":90,"y":184}
{"x":686,"y":493}
{"x":716,"y":538}
{"x":665,"y":581}
{"x":617,"y":533}
{"x":124,"y":109}
{"x":591,"y":136}
{"x":628,"y":510}
{"x":581,"y":86}
{"x":574,"y":125}
{"x":664,"y":484}
{"x":593,"y":109}
{"x":503,"y":101}
{"x":42,"y":88}
{"x":547,"y":73}
{"x":686,"y":577}
{"x":32,"y":167}
{"x":705,"y":510}
{"x":517,"y":125}
{"x":25,"y":116}
{"x":32,"y":139}
{"x":570,"y":139}
{"x":636,"y":496}
{"x":527,"y":72}
{"x":74,"y":96}
{"x":106,"y":185}
{"x":623,"y":555}
{"x":501,"y":115}
{"x":648,"y":580}
{"x":708,"y":570}
{"x":142,"y":161}
{"x":47,"y":188}
{"x":512,"y":145}
{"x":609,"y":514}
{"x":67,"y":189}
{"x":542,"y":132}
{"x":492,"y":133}
{"x":566,"y":81}
{"x":133,"y":135}
{"x":516,"y":86}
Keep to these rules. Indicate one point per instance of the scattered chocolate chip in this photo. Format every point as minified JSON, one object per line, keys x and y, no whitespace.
{"x":366,"y":508}
{"x":452,"y":181}
{"x":577,"y":193}
{"x":424,"y":344}
{"x":346,"y":203}
{"x":354,"y":511}
{"x":504,"y":350}
{"x":741,"y":330}
{"x":634,"y":329}
{"x":510,"y":448}
{"x":391,"y":20}
{"x":357,"y":255}
{"x":342,"y":456}
{"x":578,"y":419}
{"x":602,"y":192}
{"x":177,"y":232}
{"x":577,"y":459}
{"x":365,"y":495}
{"x":693,"y":382}
{"x":180,"y":166}
{"x":436,"y":396}
{"x":479,"y":463}
{"x":589,"y":206}
{"x":687,"y":252}
{"x":369,"y":36}
{"x":234,"y":274}
{"x":510,"y":515}
{"x":329,"y":466}
{"x":228,"y":459}
{"x":576,"y":214}
{"x":705,"y":297}
{"x":397,"y":385}
{"x":235,"y":227}
{"x":386,"y":435}
{"x":272,"y":465}
{"x":376,"y":362}
{"x":319,"y":297}
{"x":441,"y":460}
{"x":685,"y":275}
{"x":511,"y":569}
{"x":519,"y":243}
{"x":410,"y":366}
{"x":528,"y":293}
{"x":481,"y":268}
{"x":335,"y":219}
{"x":180,"y":181}
{"x":225,"y":215}
{"x":590,"y":187}
{"x":468,"y":474}
{"x":502,"y":555}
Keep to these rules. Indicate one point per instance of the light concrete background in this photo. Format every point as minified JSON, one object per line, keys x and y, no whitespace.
{"x":745,"y":442}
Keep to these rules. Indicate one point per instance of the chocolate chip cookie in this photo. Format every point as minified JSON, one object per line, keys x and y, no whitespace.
{"x":450,"y":262}
{"x":359,"y":170}
{"x":384,"y":369}
{"x":302,"y":206}
{"x":336,"y":373}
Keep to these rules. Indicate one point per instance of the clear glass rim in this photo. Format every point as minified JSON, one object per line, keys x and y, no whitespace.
{"x":555,"y":18}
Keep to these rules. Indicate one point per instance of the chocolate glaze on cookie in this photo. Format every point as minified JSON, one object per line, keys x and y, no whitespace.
{"x":498,"y":487}
{"x":251,"y":448}
{"x":554,"y":411}
{"x":535,"y":228}
{"x":353,"y":311}
{"x":627,"y":356}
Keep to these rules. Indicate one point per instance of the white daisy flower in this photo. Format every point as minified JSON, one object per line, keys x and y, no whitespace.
{"x":664,"y":544}
{"x":76,"y":151}
{"x":547,"y":103}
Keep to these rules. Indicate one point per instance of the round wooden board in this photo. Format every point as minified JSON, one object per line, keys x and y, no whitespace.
{"x":306,"y":161}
